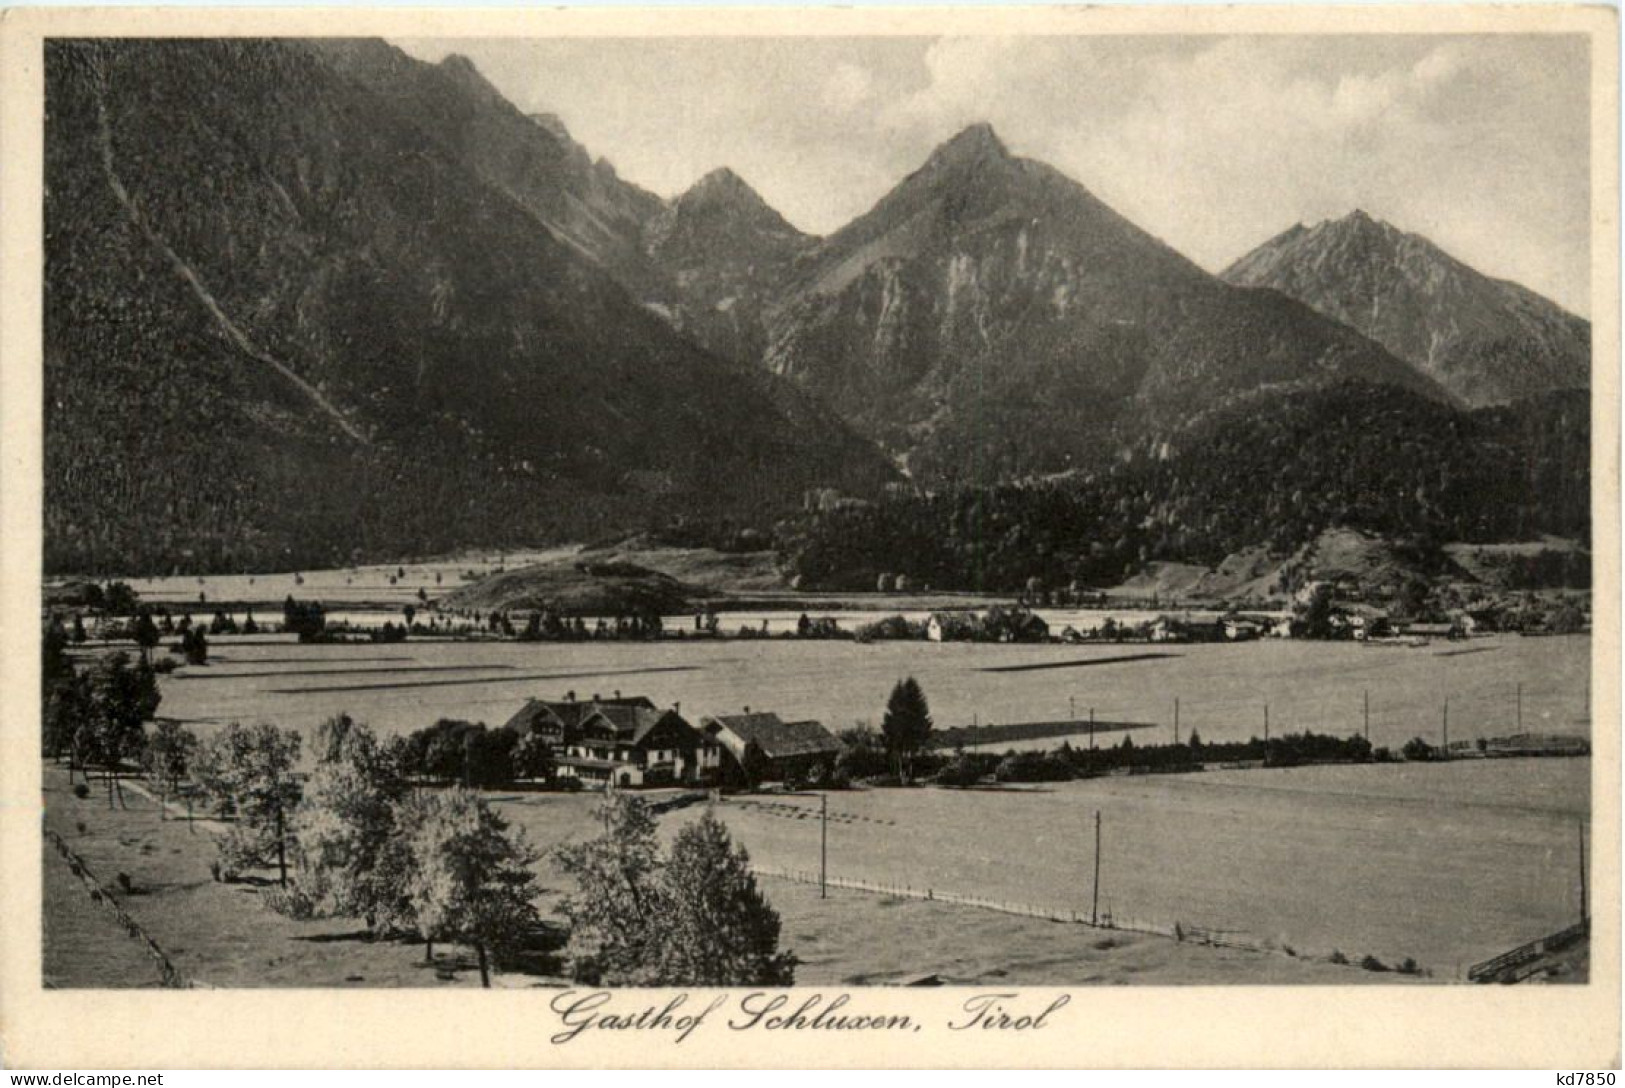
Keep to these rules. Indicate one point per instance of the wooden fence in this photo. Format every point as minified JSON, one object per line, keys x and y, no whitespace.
{"x":1514,"y":966}
{"x":169,"y":975}
{"x":1179,"y":931}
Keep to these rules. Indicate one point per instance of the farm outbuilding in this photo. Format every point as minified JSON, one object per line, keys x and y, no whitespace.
{"x":762,"y":747}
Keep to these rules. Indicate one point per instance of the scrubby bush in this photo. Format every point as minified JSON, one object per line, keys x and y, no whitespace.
{"x":964,"y":770}
{"x":1033,"y":767}
{"x":1372,"y":963}
{"x":291,"y":902}
{"x":81,"y":791}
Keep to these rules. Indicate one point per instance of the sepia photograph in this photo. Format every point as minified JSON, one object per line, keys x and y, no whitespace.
{"x":585,"y":513}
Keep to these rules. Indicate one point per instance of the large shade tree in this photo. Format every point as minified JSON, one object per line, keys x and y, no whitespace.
{"x":345,"y":824}
{"x":472,"y":878}
{"x":248,"y":772}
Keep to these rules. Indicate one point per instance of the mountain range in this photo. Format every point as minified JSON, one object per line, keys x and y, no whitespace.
{"x":1486,"y":341}
{"x":311,"y":301}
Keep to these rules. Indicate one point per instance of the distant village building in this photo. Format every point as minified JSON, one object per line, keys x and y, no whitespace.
{"x":1014,"y":625}
{"x":763,"y":747}
{"x":952,"y":626}
{"x":1238,"y":629}
{"x":1365,"y":622}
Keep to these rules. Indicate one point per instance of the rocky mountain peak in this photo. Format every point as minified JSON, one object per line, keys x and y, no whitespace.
{"x":1485,"y":340}
{"x":976,"y":144}
{"x":721,"y":186}
{"x":554,"y":125}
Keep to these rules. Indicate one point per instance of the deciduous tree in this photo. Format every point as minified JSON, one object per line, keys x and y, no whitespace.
{"x":472,"y":878}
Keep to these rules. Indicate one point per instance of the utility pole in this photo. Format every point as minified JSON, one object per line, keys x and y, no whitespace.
{"x":1071,"y":708}
{"x":823,"y":846}
{"x":1585,"y":918}
{"x":1094,"y":909}
{"x":1176,"y":720}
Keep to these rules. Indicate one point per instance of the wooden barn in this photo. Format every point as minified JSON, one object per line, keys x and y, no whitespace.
{"x":762,"y":747}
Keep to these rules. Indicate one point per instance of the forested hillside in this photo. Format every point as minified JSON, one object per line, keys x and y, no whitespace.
{"x":286,"y":325}
{"x":1275,"y":471}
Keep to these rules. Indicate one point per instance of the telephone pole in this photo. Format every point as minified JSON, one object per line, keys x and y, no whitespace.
{"x":823,"y":846}
{"x":1094,"y":909}
{"x":1585,"y":917}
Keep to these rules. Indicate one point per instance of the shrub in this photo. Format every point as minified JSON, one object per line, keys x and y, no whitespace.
{"x":291,"y":902}
{"x":126,"y":885}
{"x":1372,"y":963}
{"x":1409,"y":967}
{"x":1338,"y":957}
{"x":840,"y":779}
{"x":81,"y":791}
{"x":963,"y":770}
{"x":1033,"y":767}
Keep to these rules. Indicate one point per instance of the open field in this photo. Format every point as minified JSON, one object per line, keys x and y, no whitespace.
{"x":1222,"y":688}
{"x":1446,"y":863}
{"x":221,"y":935}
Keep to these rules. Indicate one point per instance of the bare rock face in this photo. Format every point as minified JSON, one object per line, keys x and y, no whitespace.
{"x":729,"y":255}
{"x":1487,"y":341}
{"x":990,"y":317}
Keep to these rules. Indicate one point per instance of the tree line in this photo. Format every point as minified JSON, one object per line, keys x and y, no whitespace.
{"x":1275,"y":472}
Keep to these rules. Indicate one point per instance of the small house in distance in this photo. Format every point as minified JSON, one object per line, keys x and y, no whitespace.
{"x":952,"y":626}
{"x":1242,"y":629}
{"x":762,"y":747}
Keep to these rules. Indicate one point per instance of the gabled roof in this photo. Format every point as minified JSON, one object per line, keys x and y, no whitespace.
{"x":631,"y":722}
{"x":571,"y":712}
{"x":777,"y":738}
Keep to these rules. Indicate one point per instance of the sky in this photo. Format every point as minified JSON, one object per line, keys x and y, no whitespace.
{"x":1213,"y":144}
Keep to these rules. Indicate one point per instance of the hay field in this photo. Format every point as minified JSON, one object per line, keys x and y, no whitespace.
{"x":1222,"y":688}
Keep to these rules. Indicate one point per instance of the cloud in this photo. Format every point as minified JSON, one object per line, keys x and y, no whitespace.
{"x":847,"y":87}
